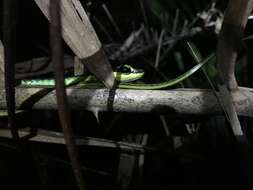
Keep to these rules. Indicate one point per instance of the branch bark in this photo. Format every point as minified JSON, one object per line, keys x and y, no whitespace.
{"x":1,"y":65}
{"x":181,"y":101}
{"x":235,"y":20}
{"x":51,"y":137}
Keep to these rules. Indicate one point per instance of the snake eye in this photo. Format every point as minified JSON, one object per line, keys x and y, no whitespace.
{"x":124,"y":69}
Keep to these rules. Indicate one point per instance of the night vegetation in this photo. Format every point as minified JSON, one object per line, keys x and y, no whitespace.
{"x":121,"y":146}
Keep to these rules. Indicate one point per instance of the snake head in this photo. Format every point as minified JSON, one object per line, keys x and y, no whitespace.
{"x":126,"y":73}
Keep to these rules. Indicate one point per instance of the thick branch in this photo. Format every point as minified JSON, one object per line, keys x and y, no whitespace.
{"x":1,"y":65}
{"x":229,"y":42}
{"x":82,"y":39}
{"x":57,"y":138}
{"x":191,"y":101}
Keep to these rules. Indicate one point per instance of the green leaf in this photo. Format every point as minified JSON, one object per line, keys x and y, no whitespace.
{"x":212,"y":79}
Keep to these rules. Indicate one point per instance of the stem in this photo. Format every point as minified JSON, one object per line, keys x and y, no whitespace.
{"x":57,"y":59}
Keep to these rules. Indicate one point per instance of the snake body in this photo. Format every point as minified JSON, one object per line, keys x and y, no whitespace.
{"x":123,"y":78}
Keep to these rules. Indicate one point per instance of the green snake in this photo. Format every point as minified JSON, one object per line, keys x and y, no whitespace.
{"x":123,"y":78}
{"x":128,"y":74}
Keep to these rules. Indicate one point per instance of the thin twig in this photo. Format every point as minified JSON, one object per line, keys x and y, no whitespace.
{"x":57,"y":59}
{"x":9,"y":30}
{"x":103,"y":28}
{"x":175,"y":24}
{"x":46,"y":136}
{"x":158,"y":52}
{"x":112,"y":20}
{"x":143,"y":12}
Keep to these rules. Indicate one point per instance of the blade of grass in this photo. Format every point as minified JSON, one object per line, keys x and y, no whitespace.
{"x":158,"y":52}
{"x":175,"y":23}
{"x":109,"y":15}
{"x":143,"y":11}
{"x":198,"y":58}
{"x":179,"y":60}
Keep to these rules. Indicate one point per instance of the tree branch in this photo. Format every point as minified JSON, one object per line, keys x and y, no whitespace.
{"x":181,"y":101}
{"x":235,"y":19}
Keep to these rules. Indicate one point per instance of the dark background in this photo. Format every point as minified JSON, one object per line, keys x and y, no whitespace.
{"x":207,"y":160}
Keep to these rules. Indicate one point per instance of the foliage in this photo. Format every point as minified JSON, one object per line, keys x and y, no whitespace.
{"x":156,"y":36}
